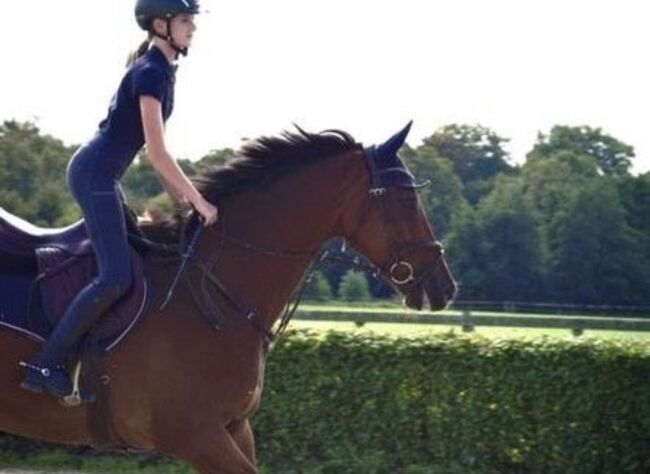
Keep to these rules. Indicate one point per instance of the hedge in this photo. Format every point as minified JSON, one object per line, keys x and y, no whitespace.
{"x":348,"y":403}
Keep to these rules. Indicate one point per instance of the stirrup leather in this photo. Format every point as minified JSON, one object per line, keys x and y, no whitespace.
{"x":74,"y":398}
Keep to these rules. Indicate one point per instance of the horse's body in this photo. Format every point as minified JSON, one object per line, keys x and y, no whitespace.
{"x":182,"y":388}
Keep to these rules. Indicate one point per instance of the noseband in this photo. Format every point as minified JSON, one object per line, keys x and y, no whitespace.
{"x":398,"y":269}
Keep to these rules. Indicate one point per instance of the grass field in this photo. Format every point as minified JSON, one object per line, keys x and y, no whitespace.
{"x":422,"y":330}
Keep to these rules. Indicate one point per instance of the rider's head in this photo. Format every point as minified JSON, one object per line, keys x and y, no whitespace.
{"x":170,"y":20}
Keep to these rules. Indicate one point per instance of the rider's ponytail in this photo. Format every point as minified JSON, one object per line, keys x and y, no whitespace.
{"x":144,"y":46}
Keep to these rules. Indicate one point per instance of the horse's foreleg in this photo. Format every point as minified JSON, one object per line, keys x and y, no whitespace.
{"x":242,"y":433}
{"x":216,"y":453}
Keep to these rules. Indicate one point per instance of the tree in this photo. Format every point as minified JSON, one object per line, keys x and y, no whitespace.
{"x":581,"y":216}
{"x":215,"y":158}
{"x":354,"y":287}
{"x":551,"y":182}
{"x":318,"y":289}
{"x":141,"y":183}
{"x":158,"y":206}
{"x":32,"y":175}
{"x":612,"y":156}
{"x":465,"y":253}
{"x":635,"y":198}
{"x":476,"y":154}
{"x":495,"y":249}
{"x":594,"y":256}
{"x":19,"y":168}
{"x":444,"y":195}
{"x":48,"y":206}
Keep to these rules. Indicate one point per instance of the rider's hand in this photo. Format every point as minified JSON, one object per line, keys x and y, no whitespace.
{"x":208,"y":211}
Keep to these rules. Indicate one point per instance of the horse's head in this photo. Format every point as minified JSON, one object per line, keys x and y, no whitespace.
{"x":392,"y":230}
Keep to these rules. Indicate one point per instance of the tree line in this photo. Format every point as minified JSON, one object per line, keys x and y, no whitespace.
{"x":569,"y":225}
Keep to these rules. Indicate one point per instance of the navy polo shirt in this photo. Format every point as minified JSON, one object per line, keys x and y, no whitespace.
{"x":151,"y":75}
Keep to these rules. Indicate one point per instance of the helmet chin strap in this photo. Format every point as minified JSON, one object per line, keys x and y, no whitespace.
{"x":170,"y":40}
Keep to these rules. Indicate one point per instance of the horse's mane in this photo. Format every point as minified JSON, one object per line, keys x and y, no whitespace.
{"x":257,"y":164}
{"x":264,"y":160}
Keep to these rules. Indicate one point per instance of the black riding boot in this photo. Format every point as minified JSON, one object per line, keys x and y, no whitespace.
{"x":45,"y":371}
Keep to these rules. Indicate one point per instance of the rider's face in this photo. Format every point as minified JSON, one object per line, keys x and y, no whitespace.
{"x":183,"y":28}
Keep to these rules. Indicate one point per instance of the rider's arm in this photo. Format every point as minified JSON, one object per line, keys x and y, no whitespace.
{"x":172,"y":176}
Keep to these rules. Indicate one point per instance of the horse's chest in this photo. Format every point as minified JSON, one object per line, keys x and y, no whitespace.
{"x":252,"y":394}
{"x":252,"y":401}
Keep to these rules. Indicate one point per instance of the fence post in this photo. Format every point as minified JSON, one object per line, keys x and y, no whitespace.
{"x":577,"y":331}
{"x":466,"y":321}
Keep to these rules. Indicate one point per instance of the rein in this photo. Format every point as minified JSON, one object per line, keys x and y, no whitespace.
{"x":398,"y":270}
{"x":211,"y":311}
{"x":242,"y":309}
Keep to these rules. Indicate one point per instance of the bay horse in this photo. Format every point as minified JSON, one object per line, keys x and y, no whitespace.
{"x":186,"y":389}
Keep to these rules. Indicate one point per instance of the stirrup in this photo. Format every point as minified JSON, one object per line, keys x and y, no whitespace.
{"x":77,"y":397}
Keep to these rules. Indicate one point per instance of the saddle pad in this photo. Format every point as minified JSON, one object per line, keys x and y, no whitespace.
{"x":63,"y":276}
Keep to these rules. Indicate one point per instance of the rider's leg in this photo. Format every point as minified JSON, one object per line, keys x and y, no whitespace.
{"x":104,"y":219}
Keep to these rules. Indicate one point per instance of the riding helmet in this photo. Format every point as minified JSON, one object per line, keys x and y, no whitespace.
{"x":147,"y":10}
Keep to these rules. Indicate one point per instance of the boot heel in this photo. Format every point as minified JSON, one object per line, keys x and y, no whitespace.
{"x":31,"y":387}
{"x":33,"y":379}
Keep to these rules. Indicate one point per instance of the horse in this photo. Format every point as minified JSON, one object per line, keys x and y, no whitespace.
{"x":185,"y":385}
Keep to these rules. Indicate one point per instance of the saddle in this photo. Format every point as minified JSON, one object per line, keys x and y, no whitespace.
{"x":42,"y":270}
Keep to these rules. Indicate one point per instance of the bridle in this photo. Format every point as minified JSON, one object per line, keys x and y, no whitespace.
{"x":397,"y":270}
{"x":398,"y":261}
{"x":381,"y":177}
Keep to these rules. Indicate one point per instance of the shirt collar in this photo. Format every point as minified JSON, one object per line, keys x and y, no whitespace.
{"x":159,"y":58}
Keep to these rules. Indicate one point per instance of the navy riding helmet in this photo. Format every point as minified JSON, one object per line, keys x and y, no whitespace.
{"x":148,"y":10}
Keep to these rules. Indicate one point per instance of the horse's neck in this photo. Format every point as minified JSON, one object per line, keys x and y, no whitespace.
{"x":295,"y":215}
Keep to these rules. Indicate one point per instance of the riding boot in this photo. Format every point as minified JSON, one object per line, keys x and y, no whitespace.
{"x":45,"y":370}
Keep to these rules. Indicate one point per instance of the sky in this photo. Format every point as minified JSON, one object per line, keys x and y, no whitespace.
{"x":367,"y":67}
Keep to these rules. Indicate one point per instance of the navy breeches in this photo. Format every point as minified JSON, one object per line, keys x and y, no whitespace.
{"x":93,"y":179}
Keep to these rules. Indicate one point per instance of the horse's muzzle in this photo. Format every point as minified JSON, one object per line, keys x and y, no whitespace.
{"x":439,"y":292}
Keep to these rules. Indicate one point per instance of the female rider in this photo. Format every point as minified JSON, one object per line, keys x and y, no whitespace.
{"x":137,"y":113}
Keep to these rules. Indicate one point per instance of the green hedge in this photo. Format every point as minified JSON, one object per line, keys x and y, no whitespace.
{"x":358,"y":404}
{"x":450,"y":405}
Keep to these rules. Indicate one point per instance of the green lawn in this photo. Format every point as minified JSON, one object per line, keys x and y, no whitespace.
{"x":422,"y":330}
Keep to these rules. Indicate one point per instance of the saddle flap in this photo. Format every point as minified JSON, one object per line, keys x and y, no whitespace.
{"x":63,"y":275}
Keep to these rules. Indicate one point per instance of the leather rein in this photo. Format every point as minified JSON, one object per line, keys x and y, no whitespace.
{"x":397,"y":270}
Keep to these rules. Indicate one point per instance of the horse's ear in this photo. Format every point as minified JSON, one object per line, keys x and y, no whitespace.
{"x":394,"y":143}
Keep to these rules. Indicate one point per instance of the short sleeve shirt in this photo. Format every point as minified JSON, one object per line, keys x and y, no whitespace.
{"x":151,"y":75}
